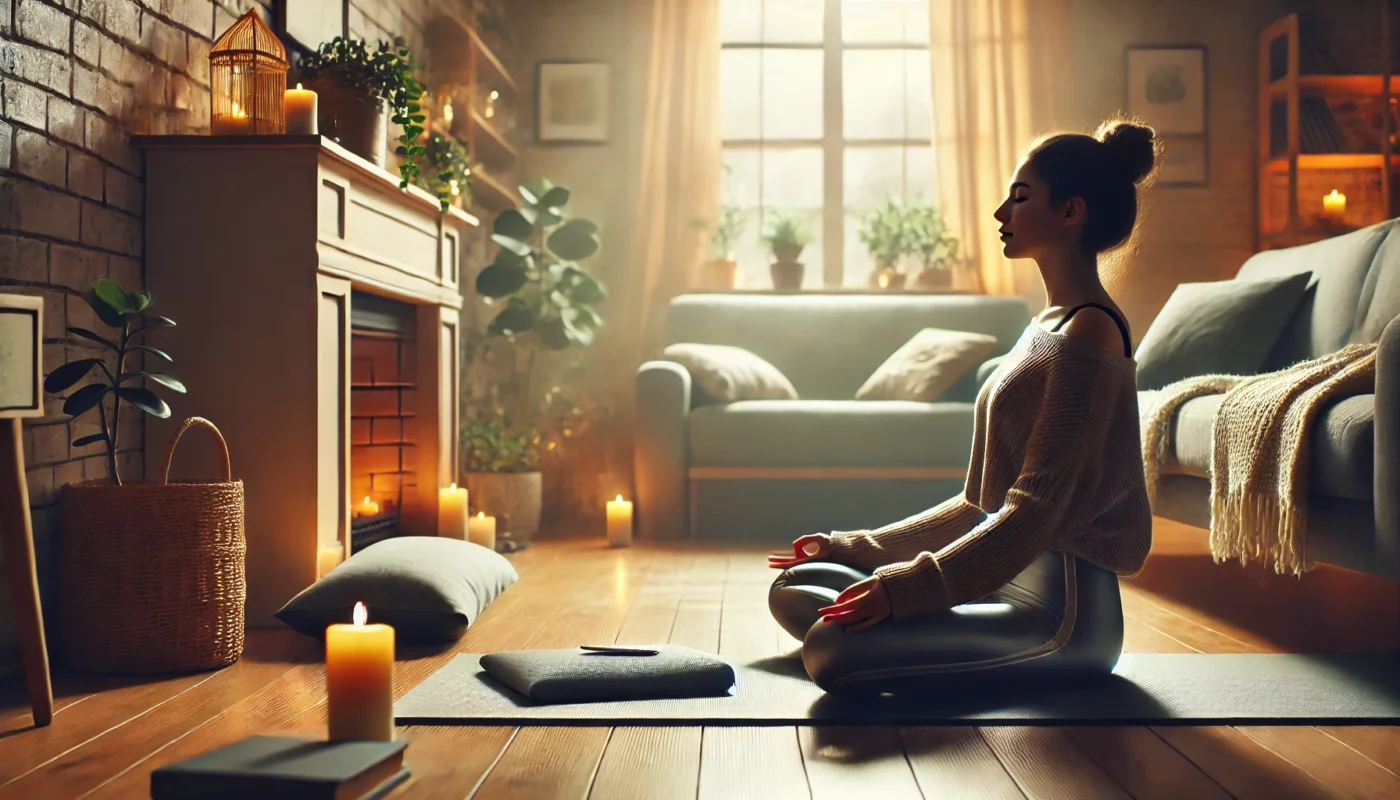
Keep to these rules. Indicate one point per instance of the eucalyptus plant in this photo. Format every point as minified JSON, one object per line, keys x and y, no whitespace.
{"x":786,"y":234}
{"x":388,"y":73}
{"x":885,"y":233}
{"x":448,"y":169}
{"x":929,"y":238}
{"x":126,"y":311}
{"x":728,"y":228}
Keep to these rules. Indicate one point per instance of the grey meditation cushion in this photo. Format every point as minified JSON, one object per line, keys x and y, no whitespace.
{"x":579,"y":676}
{"x":429,"y":589}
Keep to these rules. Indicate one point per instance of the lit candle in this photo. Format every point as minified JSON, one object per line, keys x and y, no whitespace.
{"x":360,"y":680}
{"x":236,"y":122}
{"x":366,"y":508}
{"x":619,"y":522}
{"x":299,"y":110}
{"x":1334,"y":207}
{"x":452,"y":512}
{"x":330,"y":558}
{"x":482,"y":530}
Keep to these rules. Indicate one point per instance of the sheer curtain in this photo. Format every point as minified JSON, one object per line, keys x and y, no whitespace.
{"x":1000,"y":73}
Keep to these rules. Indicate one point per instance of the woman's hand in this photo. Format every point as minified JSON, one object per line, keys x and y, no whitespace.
{"x":807,"y":548}
{"x":860,"y":606}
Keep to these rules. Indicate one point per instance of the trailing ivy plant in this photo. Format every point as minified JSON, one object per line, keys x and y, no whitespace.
{"x":125,"y":311}
{"x":447,"y":164}
{"x":388,"y":73}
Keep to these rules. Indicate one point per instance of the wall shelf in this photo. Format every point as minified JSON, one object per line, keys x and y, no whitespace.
{"x":491,"y":145}
{"x":490,"y":193}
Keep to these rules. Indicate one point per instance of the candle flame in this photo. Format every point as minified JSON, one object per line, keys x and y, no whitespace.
{"x":619,"y":498}
{"x":366,"y":499}
{"x":1333,"y":195}
{"x":298,"y":87}
{"x":481,"y":515}
{"x":454,"y":486}
{"x":361,"y":614}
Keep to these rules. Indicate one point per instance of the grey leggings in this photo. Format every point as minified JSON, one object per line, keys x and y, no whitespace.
{"x":1059,"y":621}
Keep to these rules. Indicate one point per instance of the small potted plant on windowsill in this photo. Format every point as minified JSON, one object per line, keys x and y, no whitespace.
{"x":785,"y":237}
{"x":885,"y":232}
{"x":354,"y":87}
{"x":722,"y":269}
{"x":934,"y":247}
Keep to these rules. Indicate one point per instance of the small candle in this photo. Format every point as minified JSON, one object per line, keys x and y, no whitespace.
{"x":482,"y":531}
{"x":330,"y":558}
{"x":619,"y":522}
{"x":299,"y":110}
{"x":452,"y":512}
{"x":366,"y":508}
{"x":236,"y":122}
{"x":360,"y":680}
{"x":1334,"y":206}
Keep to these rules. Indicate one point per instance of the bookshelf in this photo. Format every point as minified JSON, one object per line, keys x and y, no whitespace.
{"x":1321,"y":129}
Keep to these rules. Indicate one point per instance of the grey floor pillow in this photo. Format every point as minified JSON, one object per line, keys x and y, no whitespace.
{"x":580,"y":676}
{"x":428,"y":588}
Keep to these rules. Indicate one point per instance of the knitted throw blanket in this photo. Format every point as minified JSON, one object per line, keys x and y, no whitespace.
{"x":1259,"y":455}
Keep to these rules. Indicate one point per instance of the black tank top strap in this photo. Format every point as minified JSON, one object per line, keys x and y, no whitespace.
{"x":1122,"y":328}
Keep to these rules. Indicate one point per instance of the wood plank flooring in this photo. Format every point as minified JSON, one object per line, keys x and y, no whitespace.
{"x":109,"y":733}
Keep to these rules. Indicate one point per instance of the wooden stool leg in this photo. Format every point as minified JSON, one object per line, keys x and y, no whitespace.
{"x":17,"y":540}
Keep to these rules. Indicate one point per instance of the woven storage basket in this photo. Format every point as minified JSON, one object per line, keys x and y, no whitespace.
{"x":151,"y":575}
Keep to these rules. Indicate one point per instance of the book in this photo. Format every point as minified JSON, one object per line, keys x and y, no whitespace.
{"x":275,"y":767}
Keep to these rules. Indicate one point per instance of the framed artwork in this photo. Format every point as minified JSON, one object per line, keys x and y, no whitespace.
{"x":573,"y":102}
{"x":21,"y":356}
{"x":1167,"y":88}
{"x":308,"y":23}
{"x":1184,"y":161}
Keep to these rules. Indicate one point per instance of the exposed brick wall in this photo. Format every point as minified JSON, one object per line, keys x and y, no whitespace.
{"x":77,"y":79}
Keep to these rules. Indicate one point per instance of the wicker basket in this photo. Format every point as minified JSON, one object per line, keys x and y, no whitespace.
{"x":151,"y":575}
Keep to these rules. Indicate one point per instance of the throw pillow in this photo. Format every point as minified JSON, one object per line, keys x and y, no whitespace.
{"x":1221,"y":327}
{"x":927,"y":365}
{"x":428,"y":588}
{"x":730,"y":373}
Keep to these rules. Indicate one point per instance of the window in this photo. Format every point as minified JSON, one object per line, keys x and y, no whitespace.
{"x":825,"y":112}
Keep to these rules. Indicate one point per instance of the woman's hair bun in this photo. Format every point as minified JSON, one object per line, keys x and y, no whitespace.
{"x":1131,"y":147}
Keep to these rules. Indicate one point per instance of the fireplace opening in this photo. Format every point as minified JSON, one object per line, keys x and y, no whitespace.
{"x":383,"y":401}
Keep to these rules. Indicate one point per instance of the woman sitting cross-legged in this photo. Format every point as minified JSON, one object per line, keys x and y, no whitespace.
{"x":1014,"y":581}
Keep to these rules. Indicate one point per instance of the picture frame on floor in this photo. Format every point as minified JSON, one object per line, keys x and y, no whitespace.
{"x":573,"y":102}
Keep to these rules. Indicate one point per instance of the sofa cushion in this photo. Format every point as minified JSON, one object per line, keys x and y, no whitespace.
{"x":927,"y":366}
{"x":731,"y":373}
{"x":1342,"y":461}
{"x":831,"y":433}
{"x":1221,"y":327}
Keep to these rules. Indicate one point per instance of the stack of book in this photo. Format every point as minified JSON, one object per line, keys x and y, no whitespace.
{"x":275,"y":767}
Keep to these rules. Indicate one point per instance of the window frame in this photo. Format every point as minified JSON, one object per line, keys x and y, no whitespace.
{"x":833,"y":141}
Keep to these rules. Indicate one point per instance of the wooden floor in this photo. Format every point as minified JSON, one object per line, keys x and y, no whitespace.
{"x":110,"y":733}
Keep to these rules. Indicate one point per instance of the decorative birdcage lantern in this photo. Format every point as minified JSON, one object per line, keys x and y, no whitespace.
{"x":247,"y":79}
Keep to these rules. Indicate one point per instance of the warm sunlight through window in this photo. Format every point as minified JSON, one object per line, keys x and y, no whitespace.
{"x":826,"y":112}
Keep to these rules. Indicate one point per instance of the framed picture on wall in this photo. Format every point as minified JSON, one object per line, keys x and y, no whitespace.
{"x":1167,"y":88}
{"x":573,"y":102}
{"x":1184,"y":161}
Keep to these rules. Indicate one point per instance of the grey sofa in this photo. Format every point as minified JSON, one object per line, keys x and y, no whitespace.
{"x":1354,"y":469}
{"x":777,"y":469}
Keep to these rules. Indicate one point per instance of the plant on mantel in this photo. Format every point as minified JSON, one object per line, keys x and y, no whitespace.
{"x":126,"y":311}
{"x":550,"y":307}
{"x":388,"y":73}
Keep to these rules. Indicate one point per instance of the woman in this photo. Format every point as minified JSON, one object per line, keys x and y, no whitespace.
{"x":1017,"y":577}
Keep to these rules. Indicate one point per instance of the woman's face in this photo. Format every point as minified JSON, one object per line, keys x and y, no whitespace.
{"x":1029,"y":222}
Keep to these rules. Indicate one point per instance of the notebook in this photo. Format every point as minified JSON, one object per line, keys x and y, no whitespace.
{"x":276,"y":767}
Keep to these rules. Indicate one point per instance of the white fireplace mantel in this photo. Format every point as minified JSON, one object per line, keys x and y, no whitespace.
{"x":254,"y":246}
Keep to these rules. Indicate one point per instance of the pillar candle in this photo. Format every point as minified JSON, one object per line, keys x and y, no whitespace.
{"x":452,"y":512}
{"x":299,"y":110}
{"x":330,"y":557}
{"x":482,"y":530}
{"x":360,"y":680}
{"x":366,"y":508}
{"x":619,"y":522}
{"x":1334,"y":206}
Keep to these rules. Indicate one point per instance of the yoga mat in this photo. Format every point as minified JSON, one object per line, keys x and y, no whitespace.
{"x":1156,"y":688}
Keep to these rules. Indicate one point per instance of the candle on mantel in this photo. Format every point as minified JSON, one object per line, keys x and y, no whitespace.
{"x":237,"y":122}
{"x":330,"y":557}
{"x":360,"y":680}
{"x":299,"y":110}
{"x":482,"y":530}
{"x":366,"y":508}
{"x":452,"y":512}
{"x":619,"y":522}
{"x":1334,"y":207}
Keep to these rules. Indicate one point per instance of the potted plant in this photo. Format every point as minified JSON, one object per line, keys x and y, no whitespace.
{"x":549,"y":308}
{"x":353,"y":88}
{"x":931,"y":243}
{"x":722,"y":268}
{"x":786,"y":236}
{"x":885,"y":233}
{"x":448,"y":171}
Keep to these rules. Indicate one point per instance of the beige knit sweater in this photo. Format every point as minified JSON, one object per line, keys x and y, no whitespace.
{"x":1056,"y":464}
